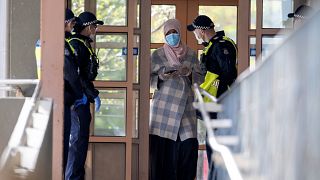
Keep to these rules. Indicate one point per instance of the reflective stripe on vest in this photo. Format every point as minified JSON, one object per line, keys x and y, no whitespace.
{"x":232,"y":42}
{"x":72,"y":49}
{"x":224,"y":38}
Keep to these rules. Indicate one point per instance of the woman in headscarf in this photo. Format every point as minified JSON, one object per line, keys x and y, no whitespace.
{"x":173,"y":124}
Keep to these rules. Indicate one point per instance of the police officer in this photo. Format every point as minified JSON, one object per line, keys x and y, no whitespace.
{"x":219,"y":60}
{"x":85,"y":30}
{"x":302,"y":13}
{"x":73,"y":94}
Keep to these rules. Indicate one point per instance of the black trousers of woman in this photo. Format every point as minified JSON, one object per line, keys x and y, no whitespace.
{"x":173,"y":160}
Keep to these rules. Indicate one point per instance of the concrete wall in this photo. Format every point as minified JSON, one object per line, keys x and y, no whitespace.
{"x":297,"y":3}
{"x":24,"y":31}
{"x":9,"y":111}
{"x":275,"y":111}
{"x":315,"y":4}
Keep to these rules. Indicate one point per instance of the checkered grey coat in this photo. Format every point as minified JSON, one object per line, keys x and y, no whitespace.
{"x":172,"y":112}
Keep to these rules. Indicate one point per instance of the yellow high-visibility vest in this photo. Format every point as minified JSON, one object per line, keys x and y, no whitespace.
{"x":211,"y":81}
{"x":38,"y":57}
{"x":210,"y":84}
{"x":72,"y":49}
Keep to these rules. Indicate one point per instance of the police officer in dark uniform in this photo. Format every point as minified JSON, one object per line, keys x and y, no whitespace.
{"x":73,"y":94}
{"x":219,"y":61}
{"x":302,"y":13}
{"x":88,"y":62}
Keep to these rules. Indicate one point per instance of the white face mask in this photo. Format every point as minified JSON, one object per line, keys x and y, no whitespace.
{"x":92,"y":33}
{"x":92,"y":36}
{"x":200,"y":40}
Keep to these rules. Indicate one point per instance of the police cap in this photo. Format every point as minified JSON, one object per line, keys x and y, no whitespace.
{"x":201,"y":22}
{"x":302,"y":11}
{"x":87,"y":18}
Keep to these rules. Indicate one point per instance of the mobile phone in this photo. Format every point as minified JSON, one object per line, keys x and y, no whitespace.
{"x":170,"y":71}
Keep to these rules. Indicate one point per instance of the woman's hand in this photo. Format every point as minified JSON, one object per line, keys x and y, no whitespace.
{"x":166,"y":76}
{"x":184,"y":71}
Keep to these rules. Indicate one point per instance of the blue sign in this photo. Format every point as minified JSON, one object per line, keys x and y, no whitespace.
{"x":125,"y":51}
{"x":252,"y":51}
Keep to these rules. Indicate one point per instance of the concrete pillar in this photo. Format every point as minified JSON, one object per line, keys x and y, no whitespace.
{"x":3,"y":41}
{"x":24,"y":27}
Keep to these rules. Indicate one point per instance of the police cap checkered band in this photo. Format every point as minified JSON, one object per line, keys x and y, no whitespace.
{"x":88,"y":18}
{"x":301,"y":12}
{"x":70,"y":20}
{"x":92,"y":22}
{"x":201,"y":22}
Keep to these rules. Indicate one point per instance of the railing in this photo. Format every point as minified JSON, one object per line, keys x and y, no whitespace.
{"x":14,"y":84}
{"x":22,"y":122}
{"x":229,"y":162}
{"x":275,"y":110}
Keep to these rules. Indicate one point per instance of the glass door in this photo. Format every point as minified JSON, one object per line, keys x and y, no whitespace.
{"x":223,"y":13}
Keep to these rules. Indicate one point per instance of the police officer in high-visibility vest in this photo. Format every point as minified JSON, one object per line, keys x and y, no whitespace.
{"x":73,"y":93}
{"x":300,"y":15}
{"x":88,"y":62}
{"x":218,"y":60}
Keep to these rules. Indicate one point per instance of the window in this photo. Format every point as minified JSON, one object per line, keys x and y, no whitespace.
{"x":112,"y":12}
{"x":77,"y":7}
{"x":111,"y":119}
{"x":111,"y":50}
{"x":269,"y":43}
{"x":275,"y":13}
{"x":159,"y":15}
{"x":224,"y":18}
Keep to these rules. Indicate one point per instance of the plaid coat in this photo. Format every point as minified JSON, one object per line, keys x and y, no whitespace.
{"x":172,"y":112}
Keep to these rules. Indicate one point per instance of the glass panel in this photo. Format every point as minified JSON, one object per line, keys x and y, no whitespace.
{"x":202,"y":167}
{"x":224,"y":18}
{"x":111,"y":119}
{"x":252,"y":52}
{"x":111,"y":51}
{"x":136,"y":55}
{"x":269,"y":43}
{"x":253,"y":14}
{"x":138,"y":14}
{"x":159,"y":15}
{"x":201,"y":132}
{"x":275,"y":13}
{"x":77,"y":7}
{"x":112,"y":12}
{"x":135,"y":124}
{"x":110,"y":157}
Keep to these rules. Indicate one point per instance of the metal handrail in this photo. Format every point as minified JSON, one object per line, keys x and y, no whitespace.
{"x":22,"y":122}
{"x":229,"y":161}
{"x":19,"y":81}
{"x":6,"y":84}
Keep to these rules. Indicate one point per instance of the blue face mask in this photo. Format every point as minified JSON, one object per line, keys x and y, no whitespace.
{"x":173,"y":39}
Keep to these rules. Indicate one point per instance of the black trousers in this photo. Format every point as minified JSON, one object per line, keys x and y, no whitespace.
{"x":66,"y":134}
{"x":80,"y":128}
{"x":173,"y":160}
